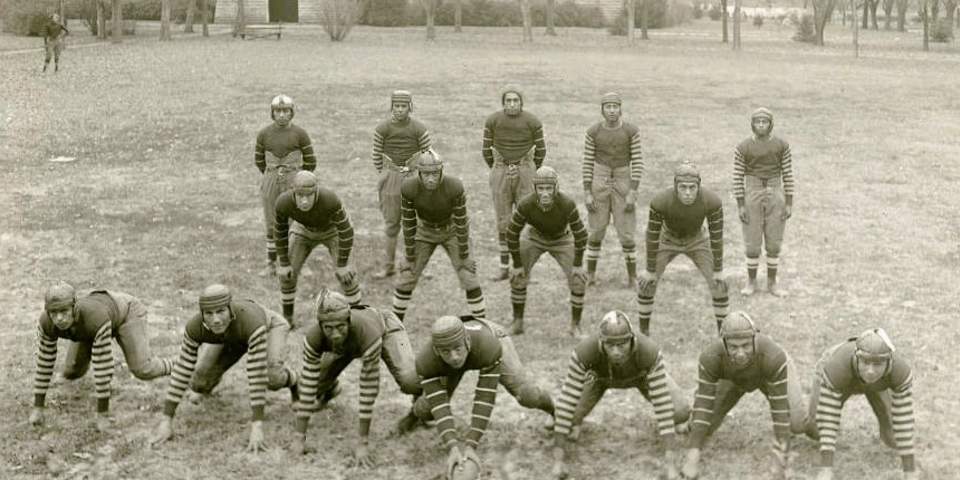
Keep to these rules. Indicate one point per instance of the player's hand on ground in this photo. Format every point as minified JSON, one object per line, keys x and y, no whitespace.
{"x":36,"y":417}
{"x":345,"y":275}
{"x":825,"y":473}
{"x":362,"y":458}
{"x":257,"y":441}
{"x":720,"y":281}
{"x":469,"y":265}
{"x":453,"y":458}
{"x":691,"y":464}
{"x":560,"y":470}
{"x":590,"y":202}
{"x":471,"y":454}
{"x":646,"y":280}
{"x":744,"y":216}
{"x":517,"y":274}
{"x":299,"y":444}
{"x":670,"y":471}
{"x":163,"y":433}
{"x":103,"y":423}
{"x":580,"y":275}
{"x":787,"y":212}
{"x":630,"y":200}
{"x":914,"y":475}
{"x":285,"y":272}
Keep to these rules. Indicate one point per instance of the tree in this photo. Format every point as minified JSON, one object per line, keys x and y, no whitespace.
{"x":430,"y":9}
{"x":101,"y":20}
{"x":870,"y":11}
{"x":902,"y":6}
{"x":736,"y":24}
{"x":873,"y":13}
{"x":723,"y":18}
{"x":240,"y":22}
{"x":925,"y":17}
{"x":117,"y":19}
{"x":631,"y":16}
{"x":551,"y":6}
{"x":458,"y":16}
{"x":191,"y":11}
{"x":856,"y":29}
{"x":644,"y":19}
{"x":934,"y":10}
{"x":205,"y":17}
{"x":950,"y":8}
{"x":165,"y":20}
{"x":527,"y":27}
{"x":822,"y":11}
{"x":887,"y":11}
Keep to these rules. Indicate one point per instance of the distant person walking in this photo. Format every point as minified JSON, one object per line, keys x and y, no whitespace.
{"x":53,"y":33}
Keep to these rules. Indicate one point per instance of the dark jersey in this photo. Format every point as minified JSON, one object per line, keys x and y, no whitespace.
{"x":552,"y":224}
{"x":247,"y":330}
{"x":446,"y":204}
{"x":95,"y":318}
{"x":399,"y":141}
{"x":326,"y":212}
{"x":767,"y":371}
{"x":513,"y":136}
{"x":614,"y":148}
{"x":685,"y":221}
{"x":485,"y":351}
{"x":280,"y":141}
{"x":53,"y":30}
{"x":769,"y":158}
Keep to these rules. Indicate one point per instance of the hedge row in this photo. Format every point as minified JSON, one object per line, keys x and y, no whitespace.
{"x":479,"y":13}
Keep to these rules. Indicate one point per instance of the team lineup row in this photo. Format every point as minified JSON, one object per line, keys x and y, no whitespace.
{"x":740,"y":361}
{"x":429,"y":208}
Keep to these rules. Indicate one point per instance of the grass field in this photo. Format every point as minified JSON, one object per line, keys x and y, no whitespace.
{"x":162,"y":200}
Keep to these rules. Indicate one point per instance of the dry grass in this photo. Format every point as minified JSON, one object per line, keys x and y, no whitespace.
{"x":163,"y":200}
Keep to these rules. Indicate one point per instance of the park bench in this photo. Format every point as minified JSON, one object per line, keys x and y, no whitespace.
{"x":261,"y":30}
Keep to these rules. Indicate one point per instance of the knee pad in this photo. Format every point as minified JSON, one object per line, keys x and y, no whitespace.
{"x":276,"y":377}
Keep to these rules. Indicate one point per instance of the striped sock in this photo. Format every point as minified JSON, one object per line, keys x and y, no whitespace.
{"x":288,"y":295}
{"x":576,"y":306}
{"x":352,"y":292}
{"x":721,"y":307}
{"x":630,"y":257}
{"x":518,"y":298}
{"x":773,"y":263}
{"x":504,"y":252}
{"x":476,"y":304}
{"x":645,"y":311}
{"x":592,"y":256}
{"x":271,"y":250}
{"x":401,"y":300}
{"x":752,"y":264}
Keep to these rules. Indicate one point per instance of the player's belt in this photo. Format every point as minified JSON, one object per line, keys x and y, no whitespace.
{"x":435,"y":225}
{"x":766,"y":182}
{"x":402,"y":167}
{"x":498,"y":158}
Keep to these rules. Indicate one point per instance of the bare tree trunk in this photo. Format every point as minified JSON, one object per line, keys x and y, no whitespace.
{"x":843,"y":14}
{"x":887,"y":11}
{"x":551,"y":5}
{"x":240,"y":23}
{"x":934,"y":11}
{"x":644,"y":19}
{"x":527,"y":27}
{"x":925,"y":16}
{"x":873,"y":13}
{"x":902,"y":6}
{"x":430,"y":8}
{"x":205,"y":17}
{"x":191,"y":11}
{"x":631,"y":19}
{"x":822,"y":11}
{"x":117,"y":20}
{"x":165,"y":20}
{"x":949,"y":9}
{"x":856,"y":30}
{"x":736,"y":24}
{"x":61,"y":11}
{"x":101,"y":20}
{"x":458,"y":16}
{"x":866,"y":14}
{"x":723,"y":18}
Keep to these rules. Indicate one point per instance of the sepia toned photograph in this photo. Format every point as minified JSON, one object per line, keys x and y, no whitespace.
{"x":480,"y":239}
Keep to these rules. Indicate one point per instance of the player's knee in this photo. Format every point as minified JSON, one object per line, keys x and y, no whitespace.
{"x":753,"y":251}
{"x":519,"y":283}
{"x":595,"y":239}
{"x":202,"y":385}
{"x":392,"y":230}
{"x":410,"y":384}
{"x":73,"y":373}
{"x":681,"y":412}
{"x":577,"y":287}
{"x":147,"y":370}
{"x":773,"y":250}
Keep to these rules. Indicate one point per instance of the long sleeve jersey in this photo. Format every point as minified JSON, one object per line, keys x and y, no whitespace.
{"x":839,"y":380}
{"x":513,"y":136}
{"x":326,"y":211}
{"x":769,"y":158}
{"x":615,"y":148}
{"x":95,"y":318}
{"x":280,"y":141}
{"x":485,"y":351}
{"x":247,"y":331}
{"x":644,"y":366}
{"x":364,"y":341}
{"x":685,"y":221}
{"x":553,"y":224}
{"x":398,"y":141}
{"x":441,"y":206}
{"x":766,"y":372}
{"x":53,"y":31}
